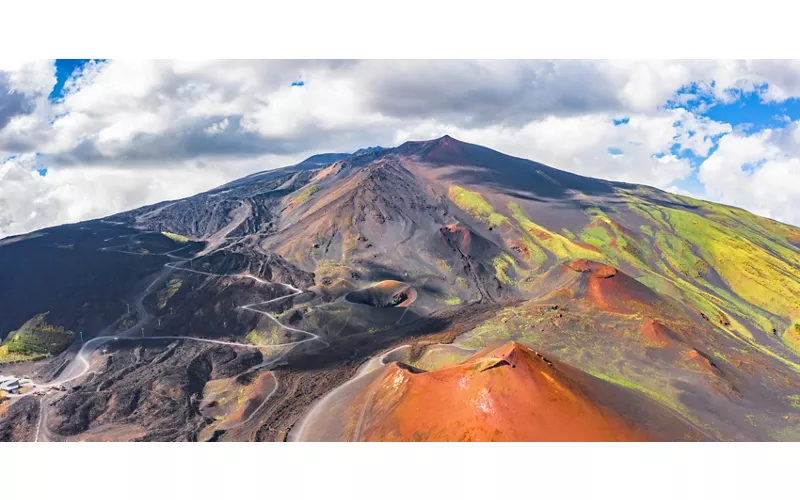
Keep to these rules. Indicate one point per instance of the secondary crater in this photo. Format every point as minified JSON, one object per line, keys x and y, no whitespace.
{"x":388,"y":293}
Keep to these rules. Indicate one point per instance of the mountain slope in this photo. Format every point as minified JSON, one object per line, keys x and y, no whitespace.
{"x":691,"y":305}
{"x":507,"y":393}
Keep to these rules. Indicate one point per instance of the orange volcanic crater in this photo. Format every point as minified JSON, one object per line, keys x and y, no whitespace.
{"x":509,"y":393}
{"x":611,"y":290}
{"x":700,"y":361}
{"x":655,"y":333}
{"x":466,"y":241}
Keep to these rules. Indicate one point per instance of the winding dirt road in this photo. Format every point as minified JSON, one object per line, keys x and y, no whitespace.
{"x":80,"y":365}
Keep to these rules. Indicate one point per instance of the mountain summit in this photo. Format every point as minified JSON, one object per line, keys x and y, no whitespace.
{"x":303,"y":291}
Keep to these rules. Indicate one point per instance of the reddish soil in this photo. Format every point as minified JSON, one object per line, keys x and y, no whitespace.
{"x":580,"y":265}
{"x":698,"y":360}
{"x":458,"y":236}
{"x":612,"y":290}
{"x":521,"y":248}
{"x":655,"y":333}
{"x":596,"y":270}
{"x":255,"y":395}
{"x":509,"y":393}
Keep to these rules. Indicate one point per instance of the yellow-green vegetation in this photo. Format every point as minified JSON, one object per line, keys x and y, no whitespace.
{"x":10,"y":357}
{"x":439,"y":356}
{"x":754,"y":258}
{"x":476,"y":205}
{"x":623,"y":382}
{"x":304,"y":194}
{"x":767,"y":233}
{"x":501,"y":266}
{"x":608,"y":237}
{"x":536,"y":254}
{"x":443,"y":266}
{"x":35,"y":339}
{"x":451,"y":300}
{"x":753,"y":272}
{"x":792,"y":337}
{"x":749,"y":270}
{"x":671,"y":285}
{"x":678,"y":253}
{"x":590,"y":341}
{"x":177,"y":238}
{"x":681,"y":256}
{"x":265,"y":338}
{"x":498,"y":327}
{"x":561,"y":247}
{"x":126,"y":322}
{"x":737,"y":270}
{"x":165,"y":294}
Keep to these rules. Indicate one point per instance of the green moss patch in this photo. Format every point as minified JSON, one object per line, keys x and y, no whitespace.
{"x":36,"y":338}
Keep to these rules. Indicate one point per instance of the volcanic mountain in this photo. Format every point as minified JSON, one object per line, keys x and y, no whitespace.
{"x":235,"y":313}
{"x":506,"y":393}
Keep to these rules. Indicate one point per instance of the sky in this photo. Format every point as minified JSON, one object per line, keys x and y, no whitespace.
{"x":81,"y":139}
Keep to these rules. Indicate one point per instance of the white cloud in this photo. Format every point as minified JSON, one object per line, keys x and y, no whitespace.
{"x":218,"y":127}
{"x":759,"y":172}
{"x":581,"y":144}
{"x":29,"y":201}
{"x":30,"y":77}
{"x":141,"y":127}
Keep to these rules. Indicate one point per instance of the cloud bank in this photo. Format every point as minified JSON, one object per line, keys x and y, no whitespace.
{"x":121,"y":134}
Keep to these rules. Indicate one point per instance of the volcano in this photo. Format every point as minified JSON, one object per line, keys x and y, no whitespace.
{"x":318,"y":284}
{"x":506,"y":393}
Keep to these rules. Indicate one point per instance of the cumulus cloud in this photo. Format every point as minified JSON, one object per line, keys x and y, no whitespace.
{"x":30,"y":201}
{"x":141,"y":128}
{"x":642,"y":146}
{"x":759,"y":172}
{"x":24,"y":87}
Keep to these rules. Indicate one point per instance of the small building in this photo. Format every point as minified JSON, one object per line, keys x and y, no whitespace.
{"x":9,"y":384}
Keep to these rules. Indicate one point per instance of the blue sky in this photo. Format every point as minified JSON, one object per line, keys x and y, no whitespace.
{"x":749,"y":110}
{"x":748,"y":113}
{"x":64,"y":69}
